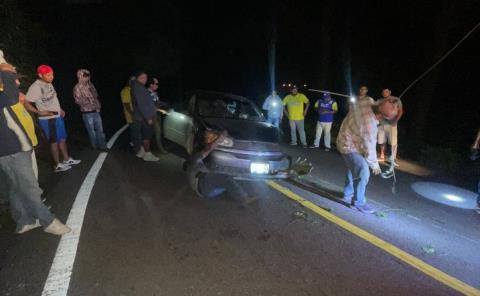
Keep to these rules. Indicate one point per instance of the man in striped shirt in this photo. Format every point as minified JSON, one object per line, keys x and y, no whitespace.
{"x":357,"y":142}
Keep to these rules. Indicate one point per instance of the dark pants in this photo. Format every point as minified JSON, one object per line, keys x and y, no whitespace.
{"x":478,"y":197}
{"x":142,"y":131}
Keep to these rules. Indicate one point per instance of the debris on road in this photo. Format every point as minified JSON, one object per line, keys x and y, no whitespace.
{"x":300,"y":215}
{"x":428,"y":249}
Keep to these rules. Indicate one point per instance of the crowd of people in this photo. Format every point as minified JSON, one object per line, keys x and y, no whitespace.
{"x":18,"y":168}
{"x":367,"y":122}
{"x":296,"y":105}
{"x":18,"y":165}
{"x":140,"y":105}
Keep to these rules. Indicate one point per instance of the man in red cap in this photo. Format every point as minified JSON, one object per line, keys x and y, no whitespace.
{"x":50,"y":116}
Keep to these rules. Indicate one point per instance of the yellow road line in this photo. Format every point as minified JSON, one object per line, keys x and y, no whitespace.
{"x":387,"y":247}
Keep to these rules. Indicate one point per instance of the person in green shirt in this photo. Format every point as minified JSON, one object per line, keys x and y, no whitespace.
{"x":296,"y":108}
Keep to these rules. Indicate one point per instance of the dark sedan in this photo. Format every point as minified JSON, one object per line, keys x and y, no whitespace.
{"x":248,"y":148}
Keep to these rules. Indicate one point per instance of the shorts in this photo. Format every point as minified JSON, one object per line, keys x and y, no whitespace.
{"x":146,"y":130}
{"x":387,"y":132}
{"x":53,"y":129}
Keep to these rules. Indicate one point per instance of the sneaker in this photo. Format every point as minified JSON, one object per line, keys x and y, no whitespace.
{"x":57,"y":228}
{"x":387,"y":174}
{"x":293,"y":144}
{"x":313,"y":146}
{"x":71,"y":161}
{"x":327,"y":149}
{"x":150,"y":157}
{"x":61,"y":167}
{"x":304,"y":146}
{"x":29,"y":227}
{"x":131,"y":144}
{"x":141,"y":152}
{"x":365,"y":209}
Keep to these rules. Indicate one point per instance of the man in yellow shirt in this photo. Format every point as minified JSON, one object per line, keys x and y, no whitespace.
{"x":296,"y":108}
{"x":128,"y":112}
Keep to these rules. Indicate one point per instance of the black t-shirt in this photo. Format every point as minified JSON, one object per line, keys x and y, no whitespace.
{"x":8,"y":89}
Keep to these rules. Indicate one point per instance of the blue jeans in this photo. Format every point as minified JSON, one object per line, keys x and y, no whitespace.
{"x":298,"y":125}
{"x":93,"y":124}
{"x":23,"y":191}
{"x":357,"y":178}
{"x":275,"y":121}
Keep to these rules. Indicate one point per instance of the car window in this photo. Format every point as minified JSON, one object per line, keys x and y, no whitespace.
{"x":224,"y":107}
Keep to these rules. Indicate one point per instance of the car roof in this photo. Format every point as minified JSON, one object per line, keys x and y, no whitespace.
{"x":216,"y":94}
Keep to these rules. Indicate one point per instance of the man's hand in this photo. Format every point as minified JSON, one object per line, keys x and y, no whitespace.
{"x":164,"y":112}
{"x":376,"y":171}
{"x":150,"y":122}
{"x":62,"y":113}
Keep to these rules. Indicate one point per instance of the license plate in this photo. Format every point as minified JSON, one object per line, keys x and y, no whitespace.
{"x":259,"y":168}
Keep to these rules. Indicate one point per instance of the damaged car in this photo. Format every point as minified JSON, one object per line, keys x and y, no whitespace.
{"x":227,"y":135}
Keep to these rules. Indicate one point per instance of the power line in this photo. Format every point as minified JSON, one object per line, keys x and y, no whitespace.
{"x":440,"y":60}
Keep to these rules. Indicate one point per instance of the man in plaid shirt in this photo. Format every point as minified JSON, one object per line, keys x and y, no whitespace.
{"x":357,"y":142}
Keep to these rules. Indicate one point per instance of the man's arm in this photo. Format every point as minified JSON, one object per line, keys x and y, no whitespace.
{"x":128,"y":107}
{"x":266,"y":103}
{"x":285,"y":109}
{"x":369,"y":136}
{"x":31,"y":108}
{"x":76,"y":95}
{"x":399,"y":115}
{"x":306,"y":109}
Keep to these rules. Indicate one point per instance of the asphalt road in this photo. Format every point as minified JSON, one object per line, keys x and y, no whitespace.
{"x":146,"y":233}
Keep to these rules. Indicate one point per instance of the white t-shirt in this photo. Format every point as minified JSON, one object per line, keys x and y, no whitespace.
{"x":44,"y":96}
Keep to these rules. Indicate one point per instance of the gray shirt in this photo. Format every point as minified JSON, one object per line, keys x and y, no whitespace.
{"x":143,"y":105}
{"x":44,"y":96}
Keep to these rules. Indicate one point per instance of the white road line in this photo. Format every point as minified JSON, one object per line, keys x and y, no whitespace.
{"x":58,"y":279}
{"x":115,"y":136}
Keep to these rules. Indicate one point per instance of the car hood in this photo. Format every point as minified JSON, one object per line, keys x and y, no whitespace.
{"x":244,"y":130}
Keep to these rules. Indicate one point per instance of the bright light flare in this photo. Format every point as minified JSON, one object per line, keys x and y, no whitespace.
{"x":259,"y":168}
{"x":453,"y":197}
{"x":446,"y":194}
{"x":353,"y":99}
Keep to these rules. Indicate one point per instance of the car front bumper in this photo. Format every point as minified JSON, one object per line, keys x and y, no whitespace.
{"x":237,"y":163}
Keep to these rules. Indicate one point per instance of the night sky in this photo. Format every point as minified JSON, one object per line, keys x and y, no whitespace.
{"x":225,"y":45}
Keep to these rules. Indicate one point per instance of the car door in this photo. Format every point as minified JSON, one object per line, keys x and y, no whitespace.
{"x":178,"y":128}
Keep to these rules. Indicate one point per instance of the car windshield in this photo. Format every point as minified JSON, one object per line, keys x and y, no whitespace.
{"x":225,"y":107}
